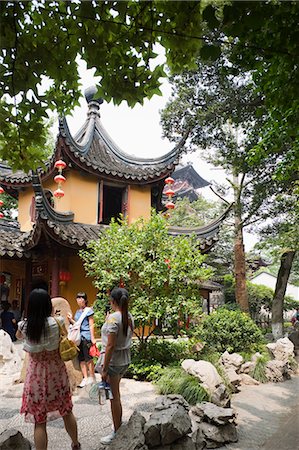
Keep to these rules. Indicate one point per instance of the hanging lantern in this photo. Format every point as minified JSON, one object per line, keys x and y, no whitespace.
{"x":59,"y":179}
{"x":1,"y":190}
{"x":1,"y":215}
{"x":170,"y":193}
{"x":60,"y":165}
{"x":64,"y":277}
{"x":1,"y":203}
{"x":169,"y":180}
{"x":59,"y":193}
{"x":170,"y":205}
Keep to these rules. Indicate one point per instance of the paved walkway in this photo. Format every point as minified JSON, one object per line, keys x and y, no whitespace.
{"x":267,"y":415}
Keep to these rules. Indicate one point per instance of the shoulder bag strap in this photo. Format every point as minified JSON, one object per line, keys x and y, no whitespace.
{"x":61,"y":333}
{"x":82,"y":317}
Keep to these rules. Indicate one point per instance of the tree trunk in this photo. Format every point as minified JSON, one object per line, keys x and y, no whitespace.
{"x":280,"y":290}
{"x":239,"y":253}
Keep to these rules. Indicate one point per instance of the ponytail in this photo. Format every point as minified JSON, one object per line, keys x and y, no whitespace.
{"x":124,"y":313}
{"x":121,"y":298}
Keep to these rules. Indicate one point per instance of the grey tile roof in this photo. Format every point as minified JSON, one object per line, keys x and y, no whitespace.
{"x":92,"y":150}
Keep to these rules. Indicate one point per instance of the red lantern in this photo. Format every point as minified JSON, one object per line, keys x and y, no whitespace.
{"x":64,"y":276}
{"x":1,"y":215}
{"x":169,"y":180}
{"x":58,"y":193}
{"x":1,"y":203}
{"x":169,"y":193}
{"x":1,"y":190}
{"x":170,"y":205}
{"x":59,"y":179}
{"x":60,"y":165}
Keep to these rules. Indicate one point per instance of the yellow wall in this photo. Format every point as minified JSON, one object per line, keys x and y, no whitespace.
{"x":79,"y":282}
{"x":139,"y":202}
{"x":25,"y":199}
{"x":80,"y":196}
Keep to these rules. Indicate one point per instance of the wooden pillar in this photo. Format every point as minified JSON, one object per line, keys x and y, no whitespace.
{"x":28,"y":284}
{"x":55,"y":277}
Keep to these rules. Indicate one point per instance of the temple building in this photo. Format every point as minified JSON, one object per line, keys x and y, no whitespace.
{"x":99,"y":181}
{"x":187,"y":182}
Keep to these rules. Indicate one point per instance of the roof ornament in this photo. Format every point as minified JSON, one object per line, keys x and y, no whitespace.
{"x":89,"y":94}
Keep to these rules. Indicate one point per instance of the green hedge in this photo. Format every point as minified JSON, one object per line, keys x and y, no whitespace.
{"x":233,"y":331}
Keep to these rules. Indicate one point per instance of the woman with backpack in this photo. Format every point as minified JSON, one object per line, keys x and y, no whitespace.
{"x":84,"y":316}
{"x":46,"y":394}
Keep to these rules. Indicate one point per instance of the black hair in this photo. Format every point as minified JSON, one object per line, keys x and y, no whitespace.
{"x":5,"y":306}
{"x":82,"y":295}
{"x":39,"y":309}
{"x":121,"y":297}
{"x":39,"y":283}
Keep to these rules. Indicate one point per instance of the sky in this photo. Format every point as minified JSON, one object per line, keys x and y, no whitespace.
{"x":137,"y":131}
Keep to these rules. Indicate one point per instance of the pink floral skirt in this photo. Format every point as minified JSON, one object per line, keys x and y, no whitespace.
{"x":46,"y":394}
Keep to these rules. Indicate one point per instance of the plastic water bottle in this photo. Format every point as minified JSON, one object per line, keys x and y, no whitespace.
{"x":102,"y":392}
{"x":105,"y":392}
{"x":109,"y":395}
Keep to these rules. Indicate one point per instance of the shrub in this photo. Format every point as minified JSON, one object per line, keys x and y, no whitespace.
{"x":175,"y":380}
{"x":230,"y":330}
{"x":259,"y":370}
{"x":144,"y":371}
{"x":149,"y":359}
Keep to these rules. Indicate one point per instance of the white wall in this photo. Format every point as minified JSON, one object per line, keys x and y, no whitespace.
{"x":269,"y":280}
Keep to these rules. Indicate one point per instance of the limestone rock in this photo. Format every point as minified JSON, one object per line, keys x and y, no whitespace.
{"x":130,"y":436}
{"x":277,"y":370}
{"x":294,"y":337}
{"x":233,"y":377}
{"x":208,"y":412}
{"x":13,"y":440}
{"x":186,"y":443}
{"x":205,"y":372}
{"x":248,"y":380}
{"x":247,"y":367}
{"x":215,"y":436}
{"x":282,"y":349}
{"x":220,"y":396}
{"x":231,"y":360}
{"x":168,"y":422}
{"x":10,"y":359}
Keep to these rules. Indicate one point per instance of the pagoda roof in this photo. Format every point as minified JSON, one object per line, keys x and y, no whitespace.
{"x":93,"y":151}
{"x":189,"y":174}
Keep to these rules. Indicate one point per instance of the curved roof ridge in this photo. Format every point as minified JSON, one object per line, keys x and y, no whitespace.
{"x":43,"y":206}
{"x":203,"y":230}
{"x":137,"y":160}
{"x":94,"y":124}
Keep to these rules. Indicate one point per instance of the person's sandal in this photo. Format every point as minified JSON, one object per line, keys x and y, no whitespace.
{"x":76,"y":447}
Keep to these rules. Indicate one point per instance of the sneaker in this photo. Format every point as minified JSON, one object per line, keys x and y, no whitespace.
{"x":83,"y":383}
{"x":91,"y":380}
{"x":108,"y":439}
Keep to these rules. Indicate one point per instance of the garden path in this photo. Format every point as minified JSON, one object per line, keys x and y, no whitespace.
{"x":267,"y":415}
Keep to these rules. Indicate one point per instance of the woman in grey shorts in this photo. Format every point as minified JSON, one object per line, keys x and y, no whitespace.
{"x":115,"y":356}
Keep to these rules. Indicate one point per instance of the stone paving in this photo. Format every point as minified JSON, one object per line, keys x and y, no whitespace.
{"x":267,"y":415}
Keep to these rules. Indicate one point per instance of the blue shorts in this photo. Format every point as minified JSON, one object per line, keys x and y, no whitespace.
{"x":113,"y":371}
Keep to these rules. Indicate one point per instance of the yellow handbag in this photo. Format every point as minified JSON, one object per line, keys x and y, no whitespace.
{"x":67,"y":349}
